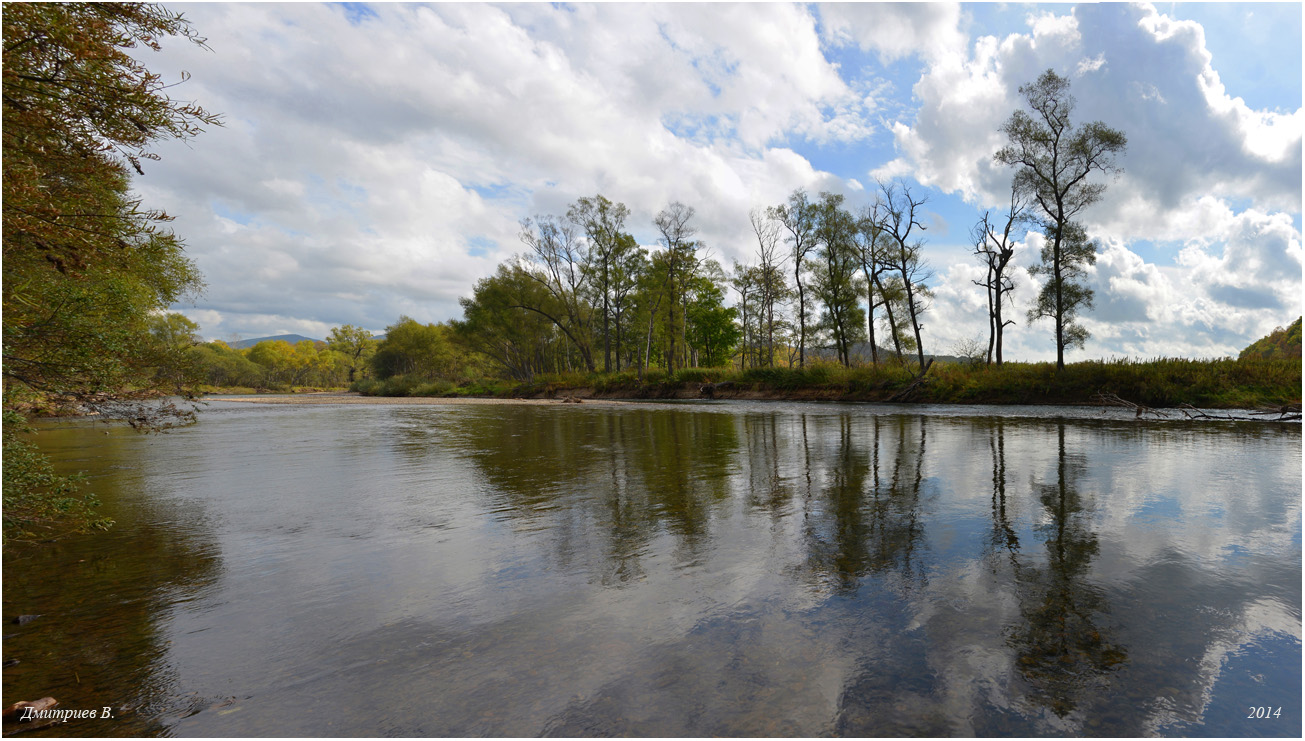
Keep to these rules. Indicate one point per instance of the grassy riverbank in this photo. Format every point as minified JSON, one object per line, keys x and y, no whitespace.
{"x":1216,"y":384}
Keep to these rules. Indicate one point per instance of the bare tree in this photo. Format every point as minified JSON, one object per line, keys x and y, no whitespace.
{"x":996,"y":253}
{"x":900,"y":220}
{"x":773,"y":288}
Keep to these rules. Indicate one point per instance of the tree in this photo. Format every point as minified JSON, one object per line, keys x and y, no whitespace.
{"x":900,"y":219}
{"x":996,"y":253}
{"x":772,"y":287}
{"x":603,"y":222}
{"x":679,"y":266}
{"x":85,"y":266}
{"x":523,"y":343}
{"x":355,"y":344}
{"x":1065,"y":293}
{"x":798,"y":219}
{"x":424,"y":351}
{"x":834,"y":269}
{"x":745,"y":282}
{"x":711,"y":330}
{"x":1053,"y":162}
{"x":565,"y":278}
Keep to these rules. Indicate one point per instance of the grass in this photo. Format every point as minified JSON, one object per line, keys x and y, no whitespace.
{"x":1161,"y":382}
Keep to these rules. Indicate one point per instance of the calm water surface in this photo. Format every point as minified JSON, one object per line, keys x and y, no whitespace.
{"x":669,"y":570}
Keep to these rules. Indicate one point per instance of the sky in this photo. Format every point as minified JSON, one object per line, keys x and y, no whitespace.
{"x":376,"y":159}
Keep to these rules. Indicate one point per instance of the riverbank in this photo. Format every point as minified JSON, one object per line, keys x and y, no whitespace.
{"x":1161,"y":383}
{"x":350,"y":397}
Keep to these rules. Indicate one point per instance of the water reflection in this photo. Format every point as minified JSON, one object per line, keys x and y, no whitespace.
{"x":672,"y":571}
{"x":1060,"y":648}
{"x":103,"y":602}
{"x":867,"y":518}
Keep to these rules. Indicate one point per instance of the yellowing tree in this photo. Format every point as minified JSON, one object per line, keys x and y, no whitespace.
{"x":85,"y":265}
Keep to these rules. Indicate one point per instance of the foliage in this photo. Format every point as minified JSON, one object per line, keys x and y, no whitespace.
{"x":84,"y":265}
{"x":712,"y":330}
{"x":1280,"y":343}
{"x":86,"y":268}
{"x":37,"y":502}
{"x":419,"y":351}
{"x":835,"y":275}
{"x":1053,"y":162}
{"x":355,"y":345}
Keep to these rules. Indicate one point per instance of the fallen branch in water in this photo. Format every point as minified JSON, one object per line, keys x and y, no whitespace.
{"x":1286,"y":413}
{"x":1111,"y":400}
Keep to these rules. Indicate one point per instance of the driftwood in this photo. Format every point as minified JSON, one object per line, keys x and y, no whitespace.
{"x":906,"y":393}
{"x":1111,"y":400}
{"x":14,"y":713}
{"x":571,"y":400}
{"x":1286,"y":413}
{"x":708,"y":390}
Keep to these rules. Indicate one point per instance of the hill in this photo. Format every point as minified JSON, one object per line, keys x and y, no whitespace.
{"x":1280,"y":343}
{"x":291,"y":338}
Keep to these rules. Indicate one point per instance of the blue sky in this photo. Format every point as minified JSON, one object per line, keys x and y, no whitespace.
{"x":376,"y":159}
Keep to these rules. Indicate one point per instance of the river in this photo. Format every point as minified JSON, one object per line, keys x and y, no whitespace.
{"x":735,"y":568}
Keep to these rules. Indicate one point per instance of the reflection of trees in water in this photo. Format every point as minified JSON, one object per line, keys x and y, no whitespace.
{"x":867,"y":517}
{"x":105,"y":598}
{"x":1060,"y":650}
{"x":1003,"y":536}
{"x":633,"y":473}
{"x":768,"y":489}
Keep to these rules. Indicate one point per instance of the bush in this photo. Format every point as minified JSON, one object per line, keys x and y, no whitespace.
{"x":37,"y":502}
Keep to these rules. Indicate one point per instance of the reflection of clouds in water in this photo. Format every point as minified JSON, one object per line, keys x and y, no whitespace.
{"x":689,"y":571}
{"x":812,"y":479}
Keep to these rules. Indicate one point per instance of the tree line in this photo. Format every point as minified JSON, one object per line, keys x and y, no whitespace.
{"x":89,"y":270}
{"x":825,"y":280}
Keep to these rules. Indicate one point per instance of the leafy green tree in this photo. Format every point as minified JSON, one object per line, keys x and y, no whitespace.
{"x":174,"y":335}
{"x":522,"y":343}
{"x":276,"y":358}
{"x":678,"y":264}
{"x":1053,"y":162}
{"x":834,"y":270}
{"x":220,"y":365}
{"x":84,"y":264}
{"x":603,"y":222}
{"x":712,"y":332}
{"x":799,"y":221}
{"x":355,"y":344}
{"x":1065,"y":293}
{"x":425,"y":351}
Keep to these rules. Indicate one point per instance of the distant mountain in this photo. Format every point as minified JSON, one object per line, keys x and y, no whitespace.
{"x":1283,"y":342}
{"x":291,"y":338}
